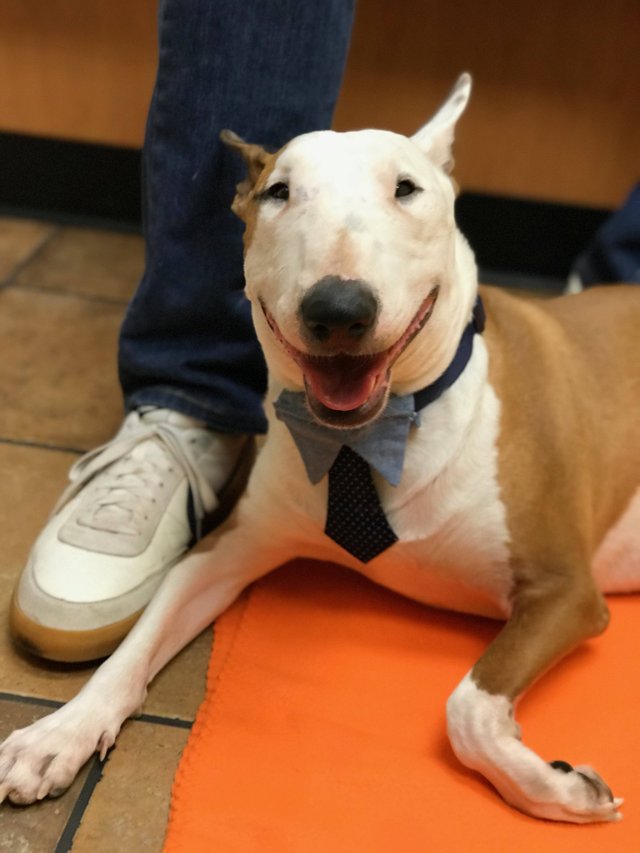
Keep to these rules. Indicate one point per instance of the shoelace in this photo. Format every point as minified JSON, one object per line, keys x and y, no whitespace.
{"x":136,"y":477}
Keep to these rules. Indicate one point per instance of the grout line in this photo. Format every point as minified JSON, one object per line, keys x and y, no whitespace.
{"x":30,"y":700}
{"x":155,"y":719}
{"x":41,"y":445}
{"x":38,"y":248}
{"x":69,"y":294}
{"x":96,"y":769}
{"x":65,"y":841}
{"x":172,"y":722}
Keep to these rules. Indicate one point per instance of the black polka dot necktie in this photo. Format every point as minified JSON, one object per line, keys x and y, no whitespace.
{"x":355,"y":518}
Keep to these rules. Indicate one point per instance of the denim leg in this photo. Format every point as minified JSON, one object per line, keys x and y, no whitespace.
{"x":269,"y":70}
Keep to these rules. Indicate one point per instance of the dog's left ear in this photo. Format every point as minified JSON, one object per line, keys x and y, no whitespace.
{"x":436,"y":137}
{"x":255,"y":157}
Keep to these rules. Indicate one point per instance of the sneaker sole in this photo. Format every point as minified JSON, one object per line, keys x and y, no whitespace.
{"x":67,"y":646}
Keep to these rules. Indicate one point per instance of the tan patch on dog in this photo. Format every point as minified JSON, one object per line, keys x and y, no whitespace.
{"x":567,"y":372}
{"x":246,"y":206}
{"x":260,"y":164}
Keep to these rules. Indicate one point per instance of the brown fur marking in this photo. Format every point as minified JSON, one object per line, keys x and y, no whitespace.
{"x":564,"y":369}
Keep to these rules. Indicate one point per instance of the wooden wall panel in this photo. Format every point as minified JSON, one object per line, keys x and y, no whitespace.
{"x":77,"y":69}
{"x":555,"y":112}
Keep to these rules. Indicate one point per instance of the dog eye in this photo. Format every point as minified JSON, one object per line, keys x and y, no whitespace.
{"x":406,"y":187}
{"x":278,"y":191}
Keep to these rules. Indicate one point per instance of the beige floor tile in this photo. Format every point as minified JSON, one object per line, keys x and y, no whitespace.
{"x":36,"y":828}
{"x":129,"y":808}
{"x":31,"y":482}
{"x":58,"y":382}
{"x":179,"y":689}
{"x":90,"y":263}
{"x":19,"y":238}
{"x":58,"y":386}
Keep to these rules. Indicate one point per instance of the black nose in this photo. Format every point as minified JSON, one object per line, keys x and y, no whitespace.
{"x":336,"y":308}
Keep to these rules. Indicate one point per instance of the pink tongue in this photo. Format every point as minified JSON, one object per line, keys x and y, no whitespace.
{"x":343,"y":383}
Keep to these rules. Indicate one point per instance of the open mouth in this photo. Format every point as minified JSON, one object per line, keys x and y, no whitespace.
{"x":345,"y":390}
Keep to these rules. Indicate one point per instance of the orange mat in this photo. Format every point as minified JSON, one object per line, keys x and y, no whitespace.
{"x":323,"y":728}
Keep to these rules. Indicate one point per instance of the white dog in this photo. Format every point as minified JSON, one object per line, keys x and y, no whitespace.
{"x":506,"y":461}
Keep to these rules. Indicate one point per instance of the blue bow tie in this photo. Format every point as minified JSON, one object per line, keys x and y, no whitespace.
{"x":381,"y":443}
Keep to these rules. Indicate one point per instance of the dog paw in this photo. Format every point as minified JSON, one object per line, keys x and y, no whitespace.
{"x":588,"y":797}
{"x":561,"y":792}
{"x":486,"y":738}
{"x":44,"y":758}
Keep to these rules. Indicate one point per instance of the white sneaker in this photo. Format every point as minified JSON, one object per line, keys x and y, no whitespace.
{"x":124,"y":520}
{"x":574,"y":284}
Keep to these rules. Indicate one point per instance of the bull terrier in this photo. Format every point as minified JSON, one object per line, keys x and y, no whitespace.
{"x":461,"y":446}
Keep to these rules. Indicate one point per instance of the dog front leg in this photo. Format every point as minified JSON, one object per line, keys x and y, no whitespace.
{"x":44,"y":758}
{"x":545,"y":624}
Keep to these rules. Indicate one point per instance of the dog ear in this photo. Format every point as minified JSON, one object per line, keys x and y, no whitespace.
{"x":436,"y":137}
{"x":254,"y":156}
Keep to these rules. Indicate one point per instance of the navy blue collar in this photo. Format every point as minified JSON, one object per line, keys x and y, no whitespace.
{"x":475,"y":326}
{"x":381,"y":443}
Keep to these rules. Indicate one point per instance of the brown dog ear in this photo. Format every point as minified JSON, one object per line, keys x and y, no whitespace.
{"x":256,"y":159}
{"x":253,"y":155}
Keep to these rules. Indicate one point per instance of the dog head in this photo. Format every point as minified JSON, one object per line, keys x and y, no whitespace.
{"x":353,"y":262}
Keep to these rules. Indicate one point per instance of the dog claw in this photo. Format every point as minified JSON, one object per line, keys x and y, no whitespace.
{"x":562,"y":766}
{"x":105,"y":742}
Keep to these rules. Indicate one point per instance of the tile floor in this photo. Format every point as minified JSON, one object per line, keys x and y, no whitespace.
{"x":63,"y":293}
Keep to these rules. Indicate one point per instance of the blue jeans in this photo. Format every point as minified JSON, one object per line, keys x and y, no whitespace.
{"x":269,"y":70}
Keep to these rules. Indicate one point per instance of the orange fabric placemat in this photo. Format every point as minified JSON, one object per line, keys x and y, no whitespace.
{"x":323,"y":728}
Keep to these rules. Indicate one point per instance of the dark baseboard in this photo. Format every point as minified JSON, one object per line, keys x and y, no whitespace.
{"x":100,"y":185}
{"x":70,"y":181}
{"x":540,"y":239}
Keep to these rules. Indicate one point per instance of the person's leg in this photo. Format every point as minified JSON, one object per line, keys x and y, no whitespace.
{"x":613,"y":255}
{"x":268,"y":71}
{"x":188,"y":357}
